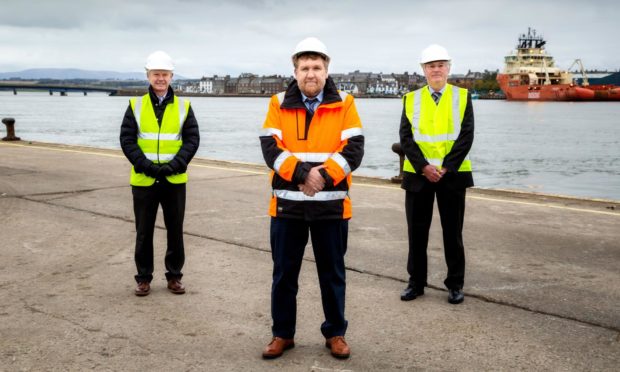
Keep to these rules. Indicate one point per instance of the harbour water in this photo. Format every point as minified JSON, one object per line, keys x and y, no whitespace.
{"x":566,"y":148}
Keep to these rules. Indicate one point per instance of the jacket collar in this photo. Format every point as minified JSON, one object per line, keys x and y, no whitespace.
{"x":169,"y":97}
{"x":292,"y":97}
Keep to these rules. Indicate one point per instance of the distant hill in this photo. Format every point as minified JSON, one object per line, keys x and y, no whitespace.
{"x":74,"y":73}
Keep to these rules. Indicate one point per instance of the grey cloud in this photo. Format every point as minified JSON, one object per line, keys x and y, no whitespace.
{"x":207,"y":37}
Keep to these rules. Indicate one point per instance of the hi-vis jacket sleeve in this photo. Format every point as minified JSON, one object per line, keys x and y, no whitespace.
{"x":349,"y":154}
{"x":276,"y":155}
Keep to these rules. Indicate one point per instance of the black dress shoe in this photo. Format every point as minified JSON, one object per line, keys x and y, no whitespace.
{"x":411,"y":293}
{"x":455,"y":296}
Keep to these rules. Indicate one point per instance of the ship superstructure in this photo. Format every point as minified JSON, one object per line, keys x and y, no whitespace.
{"x":531,"y":74}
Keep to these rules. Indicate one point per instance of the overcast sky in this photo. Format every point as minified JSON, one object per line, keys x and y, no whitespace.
{"x":233,"y":36}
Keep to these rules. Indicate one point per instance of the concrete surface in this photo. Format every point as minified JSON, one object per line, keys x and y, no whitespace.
{"x":542,"y":284}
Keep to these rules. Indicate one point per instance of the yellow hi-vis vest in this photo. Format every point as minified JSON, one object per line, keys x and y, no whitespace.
{"x":159,"y":144}
{"x":434,"y":126}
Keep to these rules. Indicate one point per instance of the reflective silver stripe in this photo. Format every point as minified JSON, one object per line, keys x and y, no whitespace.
{"x":266,"y":132}
{"x":137,"y":107}
{"x":343,"y":95}
{"x":170,"y":136}
{"x":435,"y":162}
{"x":166,"y":157}
{"x":319,"y":196}
{"x":281,"y":97}
{"x":417,"y":106}
{"x":348,"y":133}
{"x":315,"y":157}
{"x":436,"y":138}
{"x":280,"y":160}
{"x":161,"y":136}
{"x":162,"y":157}
{"x":456,"y":114}
{"x":181,"y":112}
{"x":342,"y":162}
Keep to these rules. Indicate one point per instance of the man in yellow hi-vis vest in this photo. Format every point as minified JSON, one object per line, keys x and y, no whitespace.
{"x":436,"y":134}
{"x":159,"y":136}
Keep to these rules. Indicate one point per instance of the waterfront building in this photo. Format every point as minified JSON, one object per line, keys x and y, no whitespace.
{"x":273,"y":84}
{"x":205,"y":86}
{"x":244,"y":83}
{"x":356,"y":83}
{"x":230,"y":85}
{"x":383,"y":85}
{"x":466,"y":80}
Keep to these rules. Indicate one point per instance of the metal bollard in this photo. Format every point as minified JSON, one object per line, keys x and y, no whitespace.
{"x":10,"y":130}
{"x":397,"y":149}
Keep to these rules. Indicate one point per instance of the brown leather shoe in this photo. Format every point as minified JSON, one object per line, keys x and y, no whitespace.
{"x":143,"y":289}
{"x":277,"y":347}
{"x":175,"y":286}
{"x":338,"y":347}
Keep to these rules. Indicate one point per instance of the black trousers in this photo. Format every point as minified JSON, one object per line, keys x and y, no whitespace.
{"x":146,"y":201}
{"x":419,"y":210}
{"x":288,"y":242}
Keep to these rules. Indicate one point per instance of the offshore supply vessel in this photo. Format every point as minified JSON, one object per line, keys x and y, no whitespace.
{"x":530,"y":74}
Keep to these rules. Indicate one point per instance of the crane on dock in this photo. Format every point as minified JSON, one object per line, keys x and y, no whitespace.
{"x":583,"y":71}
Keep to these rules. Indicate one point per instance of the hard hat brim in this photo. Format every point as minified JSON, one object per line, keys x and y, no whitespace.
{"x":435,"y":60}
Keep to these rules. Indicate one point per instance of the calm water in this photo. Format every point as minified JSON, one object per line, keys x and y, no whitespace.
{"x":568,"y":148}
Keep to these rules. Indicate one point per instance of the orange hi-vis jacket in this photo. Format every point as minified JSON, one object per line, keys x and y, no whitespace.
{"x":293,"y":141}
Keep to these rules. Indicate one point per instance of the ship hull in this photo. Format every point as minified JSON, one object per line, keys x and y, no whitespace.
{"x":557,"y":92}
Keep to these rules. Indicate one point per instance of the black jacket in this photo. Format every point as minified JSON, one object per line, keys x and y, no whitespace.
{"x":453,"y":178}
{"x":129,"y":136}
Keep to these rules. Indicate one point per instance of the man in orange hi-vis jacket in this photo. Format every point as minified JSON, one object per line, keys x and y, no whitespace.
{"x":312,"y":140}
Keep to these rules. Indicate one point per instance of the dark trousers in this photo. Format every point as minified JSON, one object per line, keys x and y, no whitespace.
{"x":329,"y":242}
{"x":419,"y":210}
{"x":146,"y":200}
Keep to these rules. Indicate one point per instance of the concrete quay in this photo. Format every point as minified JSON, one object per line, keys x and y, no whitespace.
{"x":542,"y":283}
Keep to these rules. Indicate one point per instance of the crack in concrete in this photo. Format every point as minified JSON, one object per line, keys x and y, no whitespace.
{"x":68,"y":193}
{"x":136,"y":343}
{"x":350,"y":268}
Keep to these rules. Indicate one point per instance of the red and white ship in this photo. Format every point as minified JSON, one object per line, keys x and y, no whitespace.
{"x":530,"y":74}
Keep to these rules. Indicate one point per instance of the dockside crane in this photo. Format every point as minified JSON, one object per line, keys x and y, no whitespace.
{"x":585,"y":82}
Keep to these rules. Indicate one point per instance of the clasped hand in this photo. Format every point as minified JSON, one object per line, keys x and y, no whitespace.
{"x":432,"y":173}
{"x":314,"y":182}
{"x":158,"y":171}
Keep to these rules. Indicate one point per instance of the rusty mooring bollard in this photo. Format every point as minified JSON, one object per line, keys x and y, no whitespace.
{"x":397,"y":149}
{"x":10,"y":130}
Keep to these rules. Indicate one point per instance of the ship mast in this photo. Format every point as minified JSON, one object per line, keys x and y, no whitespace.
{"x":530,"y":40}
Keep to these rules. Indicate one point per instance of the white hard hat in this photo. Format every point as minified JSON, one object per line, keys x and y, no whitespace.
{"x":159,"y":61}
{"x":311,"y":44}
{"x":434,"y":52}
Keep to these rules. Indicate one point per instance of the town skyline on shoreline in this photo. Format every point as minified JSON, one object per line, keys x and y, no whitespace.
{"x":83,"y":74}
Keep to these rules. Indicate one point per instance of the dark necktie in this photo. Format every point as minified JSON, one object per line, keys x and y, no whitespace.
{"x":436,"y":97}
{"x":310,"y":102}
